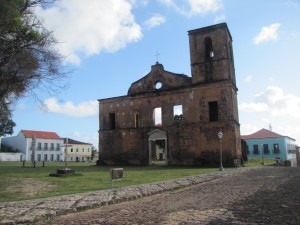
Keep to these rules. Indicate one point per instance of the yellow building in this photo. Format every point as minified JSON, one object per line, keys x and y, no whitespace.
{"x":77,"y":151}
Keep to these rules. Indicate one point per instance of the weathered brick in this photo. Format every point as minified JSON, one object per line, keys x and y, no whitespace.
{"x":129,"y":135}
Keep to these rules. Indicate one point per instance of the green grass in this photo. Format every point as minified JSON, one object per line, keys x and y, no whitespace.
{"x":258,"y":161}
{"x":20,"y":183}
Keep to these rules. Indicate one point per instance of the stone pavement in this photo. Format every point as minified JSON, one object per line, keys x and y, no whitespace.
{"x":265,"y":196}
{"x":29,"y":211}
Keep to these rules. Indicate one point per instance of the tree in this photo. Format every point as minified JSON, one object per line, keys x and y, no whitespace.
{"x":6,"y":122}
{"x":28,"y":58}
{"x":94,"y":153}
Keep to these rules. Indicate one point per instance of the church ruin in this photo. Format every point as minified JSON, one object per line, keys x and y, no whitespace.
{"x":173,"y":118}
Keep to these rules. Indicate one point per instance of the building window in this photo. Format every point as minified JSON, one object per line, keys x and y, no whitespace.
{"x":57,"y":158}
{"x":209,"y":53}
{"x":71,"y":150}
{"x":52,"y":146}
{"x":177,"y":113}
{"x":77,"y":150}
{"x":255,"y":150}
{"x":82,"y":149}
{"x":51,"y":157}
{"x":213,"y":111}
{"x":39,"y":147}
{"x":266,"y":149}
{"x":57,"y":147}
{"x":39,"y":157}
{"x":45,"y":157}
{"x":82,"y":159}
{"x":46,"y":146}
{"x":157,"y":117}
{"x":88,"y":149}
{"x":136,"y":120}
{"x":276,"y":149}
{"x":71,"y":158}
{"x":112,"y":121}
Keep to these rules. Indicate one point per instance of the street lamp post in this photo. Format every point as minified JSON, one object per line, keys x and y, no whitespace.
{"x":220,"y":136}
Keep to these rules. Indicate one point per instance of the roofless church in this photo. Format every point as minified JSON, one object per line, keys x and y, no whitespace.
{"x":172,"y":118}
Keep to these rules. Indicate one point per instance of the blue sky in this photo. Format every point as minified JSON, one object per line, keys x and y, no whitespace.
{"x":110,"y":44}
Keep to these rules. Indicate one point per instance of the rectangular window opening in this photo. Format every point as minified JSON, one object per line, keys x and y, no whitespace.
{"x":157,"y":117}
{"x":266,"y":149}
{"x":213,"y":111}
{"x":255,"y":149}
{"x":112,"y":121}
{"x":276,"y":148}
{"x":136,"y":120}
{"x":177,"y":113}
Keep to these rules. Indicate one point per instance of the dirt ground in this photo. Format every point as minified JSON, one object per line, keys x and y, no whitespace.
{"x":270,"y":195}
{"x":27,"y":186}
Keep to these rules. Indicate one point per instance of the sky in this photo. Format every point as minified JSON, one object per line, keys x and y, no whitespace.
{"x":110,"y":44}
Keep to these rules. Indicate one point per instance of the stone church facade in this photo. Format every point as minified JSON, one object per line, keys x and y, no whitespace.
{"x":175,"y":118}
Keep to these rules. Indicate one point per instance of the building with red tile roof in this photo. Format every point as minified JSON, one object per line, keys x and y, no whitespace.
{"x":268,"y":144}
{"x":40,"y":134}
{"x":263,"y":133}
{"x":37,"y":145}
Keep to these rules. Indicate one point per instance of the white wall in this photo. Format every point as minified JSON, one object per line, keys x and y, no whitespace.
{"x":23,"y":144}
{"x":9,"y":156}
{"x":46,"y":152}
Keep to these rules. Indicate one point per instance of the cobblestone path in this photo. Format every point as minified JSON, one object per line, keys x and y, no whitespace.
{"x":269,"y":195}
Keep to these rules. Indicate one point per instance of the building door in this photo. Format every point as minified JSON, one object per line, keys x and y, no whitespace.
{"x":157,"y":147}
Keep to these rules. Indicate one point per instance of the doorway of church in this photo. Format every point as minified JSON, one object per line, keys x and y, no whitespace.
{"x":158,"y":152}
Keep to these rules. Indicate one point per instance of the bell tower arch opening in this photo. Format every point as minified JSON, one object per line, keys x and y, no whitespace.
{"x":209,"y":53}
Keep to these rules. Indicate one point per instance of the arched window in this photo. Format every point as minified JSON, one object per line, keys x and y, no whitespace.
{"x":209,"y":53}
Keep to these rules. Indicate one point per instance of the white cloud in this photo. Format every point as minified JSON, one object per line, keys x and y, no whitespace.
{"x":193,"y":7}
{"x":21,"y":107}
{"x":89,"y":28}
{"x":248,"y":78}
{"x":91,"y":138}
{"x":272,"y":106}
{"x":269,"y":33}
{"x":220,"y":18}
{"x":83,"y":109}
{"x":76,"y":134}
{"x":253,"y":107}
{"x":204,"y":6}
{"x":155,"y":20}
{"x":275,"y":102}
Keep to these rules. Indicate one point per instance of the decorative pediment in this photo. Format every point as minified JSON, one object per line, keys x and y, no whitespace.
{"x":158,"y":79}
{"x":157,"y":134}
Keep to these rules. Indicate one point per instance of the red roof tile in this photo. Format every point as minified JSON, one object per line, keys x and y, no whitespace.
{"x":74,"y":142}
{"x":40,"y":134}
{"x":263,"y":133}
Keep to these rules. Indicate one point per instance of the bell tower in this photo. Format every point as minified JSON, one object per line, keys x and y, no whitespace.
{"x":211,"y":54}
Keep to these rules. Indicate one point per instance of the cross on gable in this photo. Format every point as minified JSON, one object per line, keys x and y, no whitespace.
{"x":157,"y":54}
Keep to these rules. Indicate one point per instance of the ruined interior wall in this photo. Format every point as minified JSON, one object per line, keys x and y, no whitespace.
{"x":190,"y":141}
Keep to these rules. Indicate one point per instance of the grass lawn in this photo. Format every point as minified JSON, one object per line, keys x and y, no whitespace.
{"x":19,"y":183}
